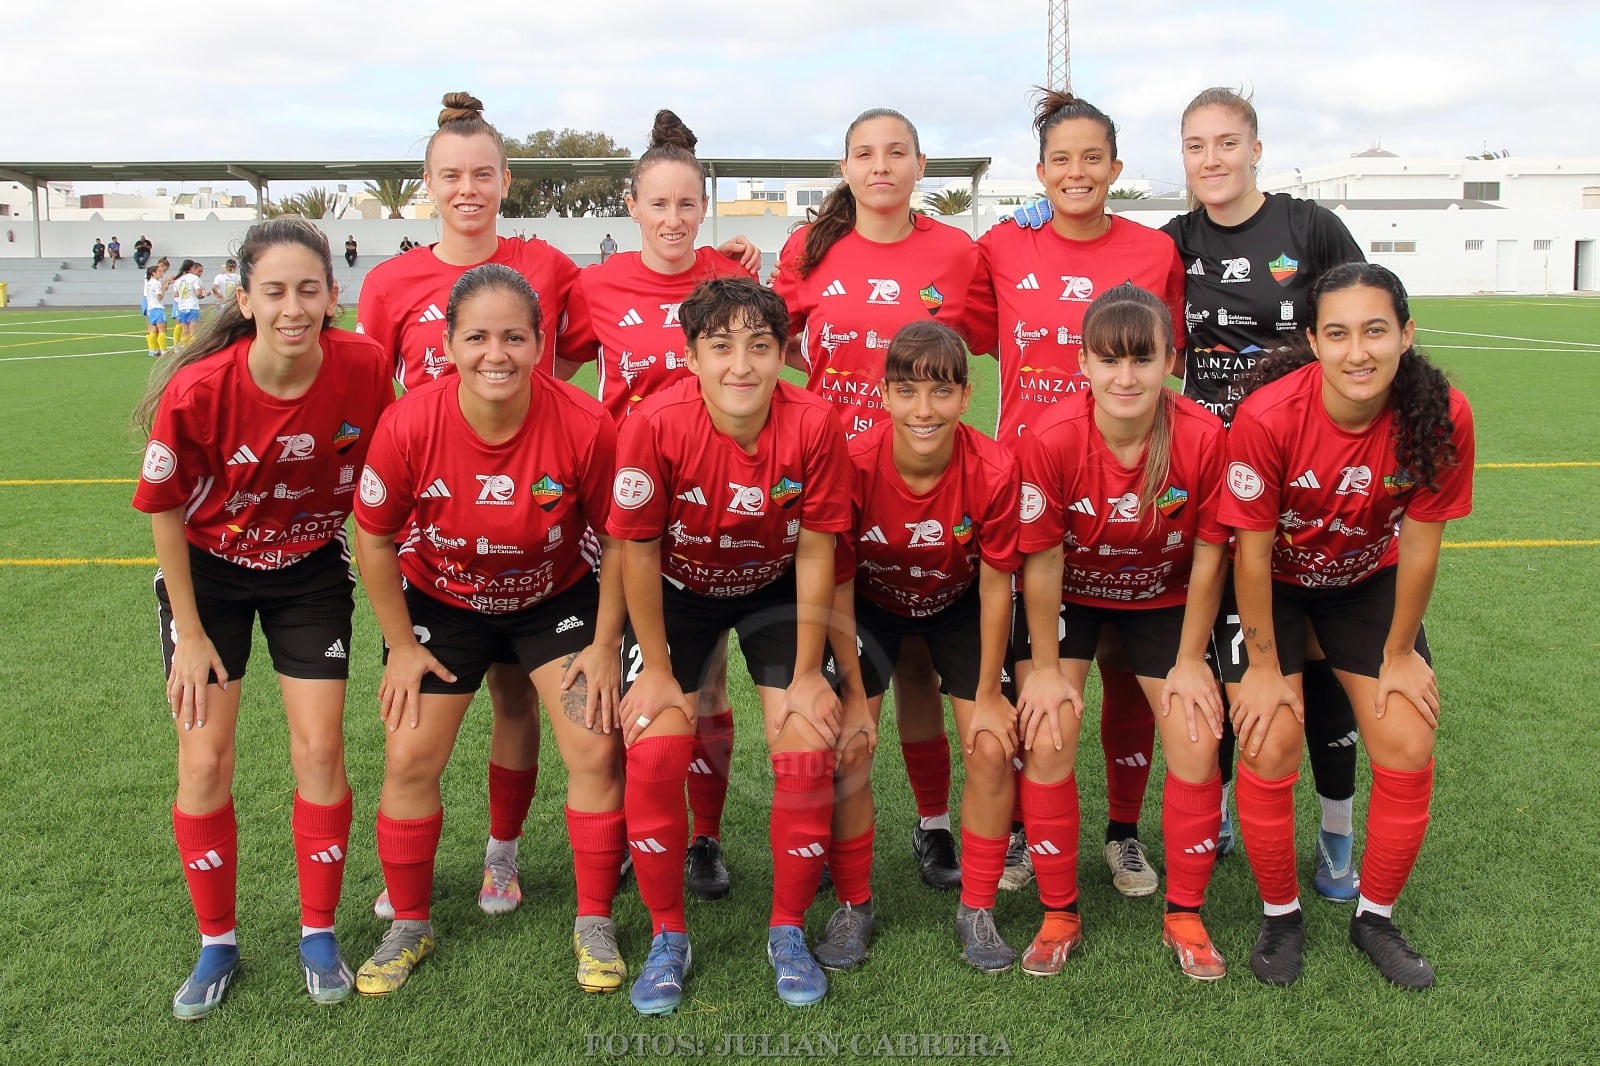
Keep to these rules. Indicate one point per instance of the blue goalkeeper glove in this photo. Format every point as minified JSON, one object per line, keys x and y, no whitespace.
{"x":1034,"y":215}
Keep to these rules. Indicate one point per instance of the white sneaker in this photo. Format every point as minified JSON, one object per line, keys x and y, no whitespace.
{"x":1131,"y":872}
{"x":1019,"y":863}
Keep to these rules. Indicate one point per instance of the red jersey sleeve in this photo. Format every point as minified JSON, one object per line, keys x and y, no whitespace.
{"x":1254,"y":476}
{"x":554,"y":295}
{"x":374,"y":319}
{"x":176,"y":457}
{"x":579,"y":344}
{"x":638,"y":508}
{"x":1454,"y":498}
{"x":1043,"y":495}
{"x":599,"y":474}
{"x":1213,"y":457}
{"x":1000,"y":534}
{"x":387,"y":495}
{"x":983,"y":308}
{"x":788,"y":283}
{"x":1172,"y":296}
{"x":826,"y":506}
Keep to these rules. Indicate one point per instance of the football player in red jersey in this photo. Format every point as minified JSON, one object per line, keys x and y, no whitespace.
{"x":729,"y":492}
{"x":624,"y":315}
{"x":1345,"y":462}
{"x":478,"y":492}
{"x":1250,"y":259}
{"x":402,"y":307}
{"x":863,"y":266}
{"x":1040,"y":270}
{"x":931,"y":552}
{"x":1120,"y":494}
{"x":257,"y":431}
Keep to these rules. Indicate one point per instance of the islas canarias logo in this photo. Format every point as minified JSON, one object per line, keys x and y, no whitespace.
{"x":547,"y":492}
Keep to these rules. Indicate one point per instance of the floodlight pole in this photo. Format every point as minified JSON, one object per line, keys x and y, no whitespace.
{"x":1058,"y":43}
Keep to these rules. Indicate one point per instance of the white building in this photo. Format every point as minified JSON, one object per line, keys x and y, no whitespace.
{"x":1509,"y":182}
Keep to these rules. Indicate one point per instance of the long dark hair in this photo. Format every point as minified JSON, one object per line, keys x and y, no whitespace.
{"x":230,"y":325}
{"x":1419,"y":396}
{"x":836,"y":217}
{"x":1129,"y":321}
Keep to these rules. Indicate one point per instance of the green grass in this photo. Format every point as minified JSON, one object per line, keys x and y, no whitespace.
{"x":100,"y":931}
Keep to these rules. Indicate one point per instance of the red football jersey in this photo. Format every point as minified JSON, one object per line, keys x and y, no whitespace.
{"x":848,"y":308}
{"x":1031,"y":292}
{"x":491,"y":527}
{"x":729,"y":520}
{"x":264,"y":482}
{"x":916,"y":553}
{"x":403,"y":301}
{"x":1333,"y":497}
{"x":625,"y":315}
{"x":1075,"y":494}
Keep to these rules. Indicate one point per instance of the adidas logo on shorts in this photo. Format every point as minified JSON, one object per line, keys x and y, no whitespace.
{"x":572,"y":621}
{"x":835,"y":288}
{"x":336,"y":651}
{"x":1029,"y":282}
{"x":810,"y":851}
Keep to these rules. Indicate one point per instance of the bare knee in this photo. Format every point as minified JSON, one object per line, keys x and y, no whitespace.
{"x":510,"y":692}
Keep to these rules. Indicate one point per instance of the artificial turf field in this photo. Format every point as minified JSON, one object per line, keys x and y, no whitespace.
{"x":98,"y":933}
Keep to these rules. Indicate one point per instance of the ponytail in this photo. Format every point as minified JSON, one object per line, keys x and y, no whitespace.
{"x":832,"y":221}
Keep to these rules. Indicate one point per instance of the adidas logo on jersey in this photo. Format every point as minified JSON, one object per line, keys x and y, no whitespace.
{"x":875,"y":536}
{"x":1196,"y":269}
{"x":650,"y":844}
{"x":835,"y":288}
{"x":1084,"y":506}
{"x":693,"y":495}
{"x":1308,"y":480}
{"x":333,"y":854}
{"x":242,"y":456}
{"x":432,"y":314}
{"x":810,"y":851}
{"x":336,"y":651}
{"x":1044,"y":847}
{"x":1029,"y":282}
{"x":209,"y":861}
{"x":572,"y":621}
{"x":436,"y":491}
{"x":1137,"y":759}
{"x":632,"y":318}
{"x":1202,"y":848}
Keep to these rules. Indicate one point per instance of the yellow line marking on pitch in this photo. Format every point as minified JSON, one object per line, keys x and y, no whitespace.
{"x":1531,"y":466}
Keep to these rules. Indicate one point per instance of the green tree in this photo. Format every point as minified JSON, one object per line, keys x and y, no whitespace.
{"x":313,"y":203}
{"x":394,"y":193}
{"x":951,"y":201}
{"x":568,"y":197}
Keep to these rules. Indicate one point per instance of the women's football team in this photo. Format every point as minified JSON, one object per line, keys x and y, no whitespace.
{"x":1249,"y":562}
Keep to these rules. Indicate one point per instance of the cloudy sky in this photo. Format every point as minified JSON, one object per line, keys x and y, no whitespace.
{"x":293,"y":79}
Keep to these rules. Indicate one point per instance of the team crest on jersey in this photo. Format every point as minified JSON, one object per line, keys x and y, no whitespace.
{"x":785,"y":491}
{"x":963,"y":531}
{"x":1399,"y":481}
{"x":1283,"y":268}
{"x":932,"y":299}
{"x":346,"y":438}
{"x":1171,"y":502}
{"x":547,"y":492}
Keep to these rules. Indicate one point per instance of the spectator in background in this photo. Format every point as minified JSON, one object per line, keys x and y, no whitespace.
{"x":142,"y":249}
{"x":608,"y":248}
{"x":114,"y":252}
{"x":98,"y":251}
{"x":350,"y":250}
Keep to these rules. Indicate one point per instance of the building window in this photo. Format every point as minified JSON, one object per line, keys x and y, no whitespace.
{"x":809,"y":197}
{"x":1541,"y":246}
{"x":1480,"y":190}
{"x":1474,"y":246}
{"x":1389,"y":247}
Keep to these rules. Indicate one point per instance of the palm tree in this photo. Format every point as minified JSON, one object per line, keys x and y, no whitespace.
{"x":394,"y":193}
{"x":313,"y":203}
{"x":1128,"y":194}
{"x":949,"y":201}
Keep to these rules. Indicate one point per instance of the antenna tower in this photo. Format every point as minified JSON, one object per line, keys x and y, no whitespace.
{"x":1059,"y":43}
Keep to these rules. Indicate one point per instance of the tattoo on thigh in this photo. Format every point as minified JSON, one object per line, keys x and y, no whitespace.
{"x":575,"y":698}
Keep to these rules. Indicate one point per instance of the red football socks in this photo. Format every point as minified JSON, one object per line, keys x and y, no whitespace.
{"x":406,"y":850}
{"x":1397,"y":820}
{"x":1050,"y":818}
{"x":802,"y":817}
{"x":928,"y":767}
{"x":983,"y":860}
{"x":658,"y":825}
{"x":1266,"y":822}
{"x":208,"y":847}
{"x":850,"y":862}
{"x":321,"y":839}
{"x":708,"y":771}
{"x":1190,"y":817}
{"x":1128,"y":738}
{"x":599,"y":840}
{"x":510,"y":795}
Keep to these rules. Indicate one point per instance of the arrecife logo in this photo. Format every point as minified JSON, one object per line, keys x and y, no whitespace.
{"x":345,"y":438}
{"x":785,"y":491}
{"x":1171,"y":502}
{"x":547,"y":492}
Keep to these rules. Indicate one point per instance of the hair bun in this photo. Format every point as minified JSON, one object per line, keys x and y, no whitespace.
{"x":458,"y":106}
{"x":669,"y":130}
